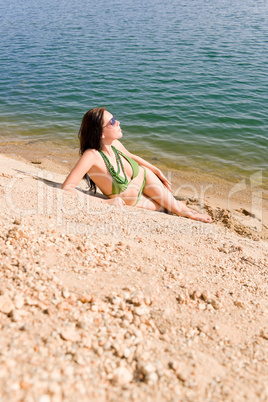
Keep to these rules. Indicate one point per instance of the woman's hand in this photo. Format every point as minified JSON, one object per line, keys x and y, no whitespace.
{"x":116,"y":201}
{"x":163,"y":178}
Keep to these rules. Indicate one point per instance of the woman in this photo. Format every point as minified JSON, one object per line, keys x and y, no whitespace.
{"x":125,"y":178}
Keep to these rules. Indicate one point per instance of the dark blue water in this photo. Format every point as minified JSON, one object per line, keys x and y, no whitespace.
{"x":188,"y":80}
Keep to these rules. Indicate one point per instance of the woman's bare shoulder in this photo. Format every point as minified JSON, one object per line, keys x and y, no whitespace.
{"x":90,"y":152}
{"x":90,"y":158}
{"x":120,"y":146}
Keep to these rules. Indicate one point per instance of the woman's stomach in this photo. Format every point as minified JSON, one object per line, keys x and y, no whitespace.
{"x":130,"y":195}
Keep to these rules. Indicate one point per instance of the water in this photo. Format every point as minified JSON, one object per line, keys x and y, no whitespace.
{"x":188,"y":80}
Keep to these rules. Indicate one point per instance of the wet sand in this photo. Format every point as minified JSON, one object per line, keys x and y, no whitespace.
{"x":244,"y":198}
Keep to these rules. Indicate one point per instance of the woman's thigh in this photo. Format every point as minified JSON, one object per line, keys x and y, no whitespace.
{"x":146,"y":203}
{"x":154,"y":186}
{"x":158,"y":192}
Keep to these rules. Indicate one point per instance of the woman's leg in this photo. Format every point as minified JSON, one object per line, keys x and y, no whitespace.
{"x":156,"y":190}
{"x":146,"y":203}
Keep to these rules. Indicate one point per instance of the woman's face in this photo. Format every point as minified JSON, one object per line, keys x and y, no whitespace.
{"x":111,"y":127}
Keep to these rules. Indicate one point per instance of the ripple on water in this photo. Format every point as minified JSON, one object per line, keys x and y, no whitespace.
{"x":187,"y":80}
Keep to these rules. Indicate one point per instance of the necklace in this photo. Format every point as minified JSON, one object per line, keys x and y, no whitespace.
{"x":111,"y":169}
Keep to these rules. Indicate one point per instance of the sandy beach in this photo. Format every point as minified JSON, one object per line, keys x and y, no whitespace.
{"x":103,"y":303}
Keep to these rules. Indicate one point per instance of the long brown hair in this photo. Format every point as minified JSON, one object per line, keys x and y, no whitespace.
{"x":90,"y":135}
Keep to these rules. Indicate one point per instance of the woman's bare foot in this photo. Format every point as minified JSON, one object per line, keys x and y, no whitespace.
{"x":192,"y":214}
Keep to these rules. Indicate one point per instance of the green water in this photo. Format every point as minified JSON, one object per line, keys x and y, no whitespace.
{"x":187,"y":80}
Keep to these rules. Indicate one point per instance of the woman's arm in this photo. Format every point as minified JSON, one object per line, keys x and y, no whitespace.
{"x":78,"y":172}
{"x":144,"y":163}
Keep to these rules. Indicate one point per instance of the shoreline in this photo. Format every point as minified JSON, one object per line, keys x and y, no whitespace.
{"x":69,"y":149}
{"x":245,"y":199}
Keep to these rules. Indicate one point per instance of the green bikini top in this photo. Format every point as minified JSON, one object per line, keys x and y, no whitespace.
{"x":120,"y":183}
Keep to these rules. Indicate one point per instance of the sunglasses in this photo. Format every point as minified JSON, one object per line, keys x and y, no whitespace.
{"x":111,"y":122}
